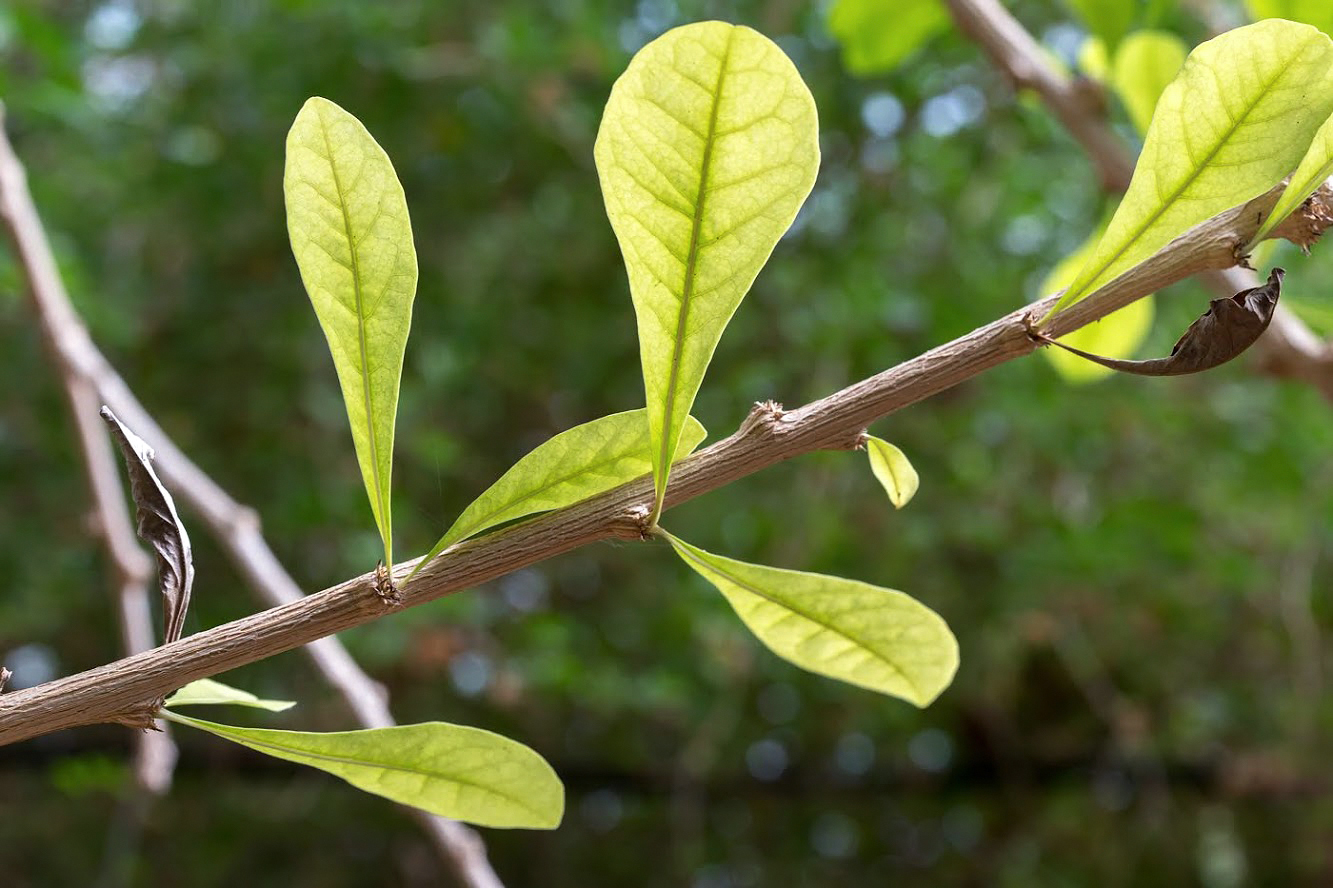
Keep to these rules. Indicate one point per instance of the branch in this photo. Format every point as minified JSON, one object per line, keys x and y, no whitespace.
{"x":769,"y":435}
{"x":89,"y":379}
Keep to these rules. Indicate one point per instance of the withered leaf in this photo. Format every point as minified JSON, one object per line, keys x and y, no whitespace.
{"x":1229,"y":327}
{"x":159,"y":526}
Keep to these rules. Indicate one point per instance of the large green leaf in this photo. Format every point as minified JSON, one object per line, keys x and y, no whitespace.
{"x":1145,"y":64}
{"x":865,"y":635}
{"x":454,"y":771}
{"x":708,"y":147}
{"x":877,"y":36}
{"x":347,"y":219}
{"x":1314,"y":168}
{"x":1312,"y":12}
{"x":206,"y":691}
{"x":572,"y":466}
{"x":893,"y":471}
{"x":1233,"y":123}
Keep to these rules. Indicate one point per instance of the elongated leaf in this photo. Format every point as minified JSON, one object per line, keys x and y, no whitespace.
{"x":1231,"y":126}
{"x":893,"y":470}
{"x":864,"y":635}
{"x":158,"y":525}
{"x":206,"y":691}
{"x":1145,"y":64}
{"x":1312,"y":12}
{"x":1315,"y":167}
{"x":347,"y":219}
{"x":454,"y":771}
{"x":572,"y":466}
{"x":708,"y":146}
{"x":877,"y":37}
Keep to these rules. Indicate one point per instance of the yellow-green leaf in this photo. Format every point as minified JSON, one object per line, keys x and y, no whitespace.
{"x":1233,"y":123}
{"x":1108,"y":19}
{"x":206,"y":691}
{"x":876,"y":36}
{"x":1145,"y":64}
{"x":1314,"y":168}
{"x":572,"y":466}
{"x":347,"y":220}
{"x":893,"y":470}
{"x":1312,"y":12}
{"x":454,"y":771}
{"x":707,"y":148}
{"x":865,"y":635}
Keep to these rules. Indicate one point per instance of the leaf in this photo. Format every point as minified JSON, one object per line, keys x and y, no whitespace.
{"x":1315,"y":167}
{"x":350,"y":233}
{"x":865,"y":635}
{"x":1108,"y":19}
{"x":707,"y":148}
{"x":1233,"y":123}
{"x":893,"y":470}
{"x":572,"y":466}
{"x":206,"y":691}
{"x":1312,"y":12}
{"x":158,"y":525}
{"x":1227,"y":329}
{"x":454,"y":771}
{"x":877,"y":37}
{"x":1145,"y":64}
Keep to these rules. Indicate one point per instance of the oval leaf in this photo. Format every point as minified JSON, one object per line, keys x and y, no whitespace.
{"x":1145,"y":64}
{"x":707,"y":148}
{"x":572,"y":466}
{"x":454,"y":771}
{"x":893,"y":470}
{"x":1315,"y":167}
{"x":864,"y":635}
{"x":350,"y":233}
{"x":206,"y":691}
{"x":876,"y":39}
{"x":1232,"y":125}
{"x":1312,"y":12}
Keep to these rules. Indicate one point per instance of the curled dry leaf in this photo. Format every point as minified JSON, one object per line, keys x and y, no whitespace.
{"x":1229,"y":327}
{"x":159,"y":526}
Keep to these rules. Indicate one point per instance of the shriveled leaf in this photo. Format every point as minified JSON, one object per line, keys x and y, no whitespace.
{"x":877,"y":37}
{"x":893,"y":470}
{"x":206,"y":691}
{"x":707,"y":148}
{"x":1235,"y":121}
{"x":348,"y":224}
{"x":458,"y":772}
{"x":1108,"y":19}
{"x":864,"y":635}
{"x":1145,"y":64}
{"x":158,"y":525}
{"x":1315,"y":167}
{"x":1312,"y":12}
{"x":572,"y":466}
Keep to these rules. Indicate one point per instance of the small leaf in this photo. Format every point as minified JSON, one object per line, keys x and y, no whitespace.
{"x":159,"y":526}
{"x":1145,"y":64}
{"x":350,"y":233}
{"x":1233,"y":123}
{"x":877,"y":37}
{"x":1314,"y":169}
{"x":865,"y":635}
{"x":707,"y":148}
{"x":1108,"y":19}
{"x":572,"y":466}
{"x":1312,"y":12}
{"x":893,"y":470}
{"x":206,"y":691}
{"x":457,"y":772}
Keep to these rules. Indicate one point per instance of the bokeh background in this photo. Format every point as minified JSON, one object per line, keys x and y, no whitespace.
{"x":1138,"y":571}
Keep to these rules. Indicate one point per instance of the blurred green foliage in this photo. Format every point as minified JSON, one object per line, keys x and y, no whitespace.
{"x":1137,"y":571}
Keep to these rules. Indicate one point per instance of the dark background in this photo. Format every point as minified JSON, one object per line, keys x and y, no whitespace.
{"x":1137,"y":571}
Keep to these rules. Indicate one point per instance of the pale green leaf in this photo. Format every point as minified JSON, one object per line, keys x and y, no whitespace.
{"x":347,"y":219}
{"x":1145,"y":64}
{"x":1233,"y":123}
{"x":1108,"y":19}
{"x":206,"y":691}
{"x":572,"y":466}
{"x":708,"y":147}
{"x":865,"y":635}
{"x":1093,"y":60}
{"x":877,"y":36}
{"x":454,"y":771}
{"x":893,"y":470}
{"x":1315,"y":167}
{"x":1312,"y":12}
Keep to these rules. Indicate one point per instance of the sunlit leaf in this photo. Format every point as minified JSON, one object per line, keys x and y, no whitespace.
{"x":1145,"y":64}
{"x":865,"y":635}
{"x":1094,"y":62}
{"x":1312,"y":12}
{"x":572,"y":466}
{"x":457,"y":772}
{"x":206,"y":691}
{"x":708,"y":146}
{"x":893,"y":470}
{"x":347,"y":219}
{"x":1315,"y":167}
{"x":1235,"y":121}
{"x":1108,"y":19}
{"x":876,"y":36}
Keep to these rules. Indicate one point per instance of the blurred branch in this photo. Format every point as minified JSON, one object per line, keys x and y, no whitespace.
{"x":1288,"y":348}
{"x":89,"y":379}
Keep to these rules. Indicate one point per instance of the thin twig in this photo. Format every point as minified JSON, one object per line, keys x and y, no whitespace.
{"x":89,"y":378}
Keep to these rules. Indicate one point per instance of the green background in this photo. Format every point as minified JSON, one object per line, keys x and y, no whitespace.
{"x":1138,"y":572}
